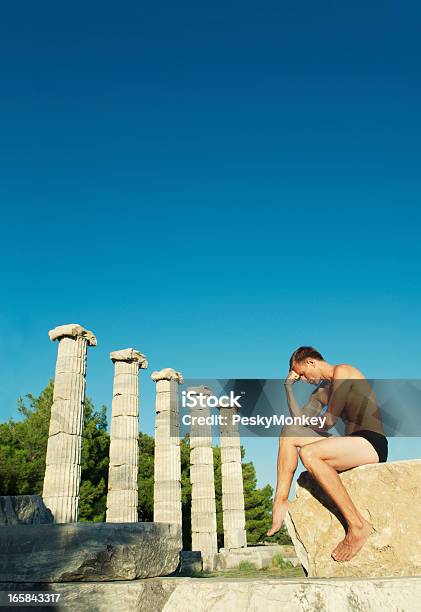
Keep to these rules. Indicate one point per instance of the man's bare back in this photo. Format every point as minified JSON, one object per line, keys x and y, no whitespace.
{"x":356,"y":404}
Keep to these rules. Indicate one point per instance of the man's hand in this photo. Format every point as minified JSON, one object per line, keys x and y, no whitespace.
{"x":291,"y":378}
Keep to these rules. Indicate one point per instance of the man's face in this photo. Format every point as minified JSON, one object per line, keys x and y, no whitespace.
{"x":309,"y":370}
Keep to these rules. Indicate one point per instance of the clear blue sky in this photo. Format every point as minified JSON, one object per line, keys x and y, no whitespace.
{"x":212,"y":184}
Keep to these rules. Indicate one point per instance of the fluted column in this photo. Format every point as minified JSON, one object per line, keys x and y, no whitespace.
{"x":62,"y":471}
{"x":233,"y":514}
{"x":122,"y":498}
{"x":203,"y":510}
{"x":167,"y":464}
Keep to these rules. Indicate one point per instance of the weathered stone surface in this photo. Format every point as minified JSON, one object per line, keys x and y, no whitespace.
{"x":233,"y":513}
{"x":260,"y":556}
{"x":129,"y":355}
{"x":167,"y":374}
{"x":88,"y":551}
{"x":191,"y":562}
{"x":24,"y":509}
{"x":203,"y":516}
{"x":124,"y":434}
{"x":177,"y":594}
{"x":72,"y":330}
{"x":62,"y":470}
{"x":389,"y":495}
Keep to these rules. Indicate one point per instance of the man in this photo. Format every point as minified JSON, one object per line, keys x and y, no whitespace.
{"x":349,"y":397}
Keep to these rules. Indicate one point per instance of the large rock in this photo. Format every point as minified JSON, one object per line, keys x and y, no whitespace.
{"x":24,"y":509}
{"x":387,"y":494}
{"x":88,"y":551}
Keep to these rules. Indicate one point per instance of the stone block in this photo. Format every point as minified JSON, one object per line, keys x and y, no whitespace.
{"x":61,"y":480}
{"x":230,"y":454}
{"x":233,"y":519}
{"x":203,"y":505}
{"x":196,"y":441}
{"x":233,"y":501}
{"x":124,"y":452}
{"x":203,"y":490}
{"x":66,"y":417}
{"x":167,"y":490}
{"x":204,"y":541}
{"x":201,"y":473}
{"x":63,"y":448}
{"x":68,"y":385}
{"x":124,"y":427}
{"x":88,"y":551}
{"x":235,"y":538}
{"x":201,"y":455}
{"x":64,"y":508}
{"x":203,"y":521}
{"x":125,"y":405}
{"x":122,"y":477}
{"x":23,"y":510}
{"x":117,"y":498}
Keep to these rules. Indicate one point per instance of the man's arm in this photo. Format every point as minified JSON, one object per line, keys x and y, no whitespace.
{"x":341,"y":385}
{"x":313,"y":407}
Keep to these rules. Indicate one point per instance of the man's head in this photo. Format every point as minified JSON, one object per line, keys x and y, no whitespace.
{"x":306,"y":361}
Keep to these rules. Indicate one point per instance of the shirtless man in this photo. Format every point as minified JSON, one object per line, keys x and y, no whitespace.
{"x":348,"y":396}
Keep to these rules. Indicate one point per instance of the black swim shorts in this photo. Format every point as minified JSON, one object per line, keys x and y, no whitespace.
{"x":377,"y":440}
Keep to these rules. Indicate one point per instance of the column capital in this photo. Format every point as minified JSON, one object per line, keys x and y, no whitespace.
{"x":167,"y":374}
{"x":202,"y":390}
{"x":72,"y":330}
{"x":129,"y":355}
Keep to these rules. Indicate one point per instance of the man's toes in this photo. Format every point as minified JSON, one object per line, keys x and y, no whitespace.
{"x":337,"y":548}
{"x":339,"y":553}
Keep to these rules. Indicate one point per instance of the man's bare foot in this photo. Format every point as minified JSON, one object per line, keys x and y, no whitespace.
{"x":278,"y":514}
{"x":352,"y":542}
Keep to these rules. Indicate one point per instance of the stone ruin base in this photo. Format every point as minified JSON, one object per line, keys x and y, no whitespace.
{"x":219,"y":595}
{"x":258,"y":556}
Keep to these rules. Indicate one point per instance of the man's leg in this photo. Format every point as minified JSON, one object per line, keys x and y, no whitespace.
{"x":323,"y":460}
{"x":290,"y":440}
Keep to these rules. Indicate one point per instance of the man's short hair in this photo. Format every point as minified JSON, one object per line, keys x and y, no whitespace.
{"x":302,"y":353}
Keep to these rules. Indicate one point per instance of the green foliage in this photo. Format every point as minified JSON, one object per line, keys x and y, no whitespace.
{"x":281,"y":563}
{"x":94,"y":473}
{"x":23,"y":445}
{"x":258,"y":506}
{"x":186,"y":491}
{"x":145,"y":477}
{"x":246,"y":566}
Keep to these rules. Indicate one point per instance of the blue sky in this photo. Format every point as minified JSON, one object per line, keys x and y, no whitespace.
{"x":213,"y":185}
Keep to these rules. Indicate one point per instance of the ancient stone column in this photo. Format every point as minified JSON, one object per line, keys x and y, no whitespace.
{"x":167,"y":464}
{"x":233,"y":513}
{"x":62,"y":470}
{"x":122,"y":498}
{"x":203,"y":510}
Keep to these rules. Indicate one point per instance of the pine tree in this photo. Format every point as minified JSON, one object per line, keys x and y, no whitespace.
{"x":23,"y":447}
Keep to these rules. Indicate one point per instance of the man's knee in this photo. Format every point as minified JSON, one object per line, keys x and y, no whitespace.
{"x":308,"y":456}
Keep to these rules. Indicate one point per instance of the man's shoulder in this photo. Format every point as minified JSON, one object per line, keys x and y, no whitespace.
{"x":346,"y":371}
